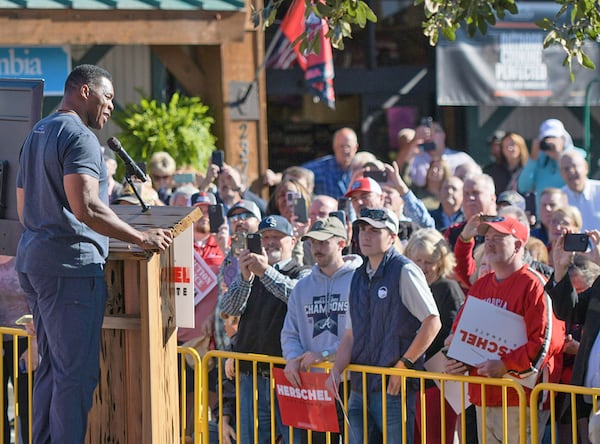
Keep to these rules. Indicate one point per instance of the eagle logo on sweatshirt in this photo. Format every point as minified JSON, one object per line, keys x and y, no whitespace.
{"x":324,"y":312}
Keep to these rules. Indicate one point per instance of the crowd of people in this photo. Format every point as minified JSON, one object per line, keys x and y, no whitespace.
{"x":352,"y":259}
{"x":368,"y":261}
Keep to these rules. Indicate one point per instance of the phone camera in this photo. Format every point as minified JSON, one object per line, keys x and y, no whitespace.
{"x":547,"y":146}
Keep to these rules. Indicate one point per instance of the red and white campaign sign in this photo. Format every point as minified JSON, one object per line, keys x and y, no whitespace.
{"x":486,"y":331}
{"x":182,"y":274}
{"x":309,"y":407}
{"x":204,"y":278}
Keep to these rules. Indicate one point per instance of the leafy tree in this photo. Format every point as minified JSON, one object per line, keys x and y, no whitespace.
{"x":340,"y":15}
{"x":576,"y":22}
{"x":180,"y":127}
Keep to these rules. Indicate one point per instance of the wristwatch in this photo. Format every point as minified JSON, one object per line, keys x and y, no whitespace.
{"x":325,"y":355}
{"x":407,"y":363}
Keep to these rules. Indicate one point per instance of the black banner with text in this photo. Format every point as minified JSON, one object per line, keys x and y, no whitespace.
{"x":510,"y":67}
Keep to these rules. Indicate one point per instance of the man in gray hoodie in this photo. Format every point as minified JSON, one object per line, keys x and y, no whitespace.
{"x":318,"y":305}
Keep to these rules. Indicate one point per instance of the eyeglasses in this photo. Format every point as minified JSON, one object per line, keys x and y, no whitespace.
{"x":374,"y":214}
{"x":241,"y":216}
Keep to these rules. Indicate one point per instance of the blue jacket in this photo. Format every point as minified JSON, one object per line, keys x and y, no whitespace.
{"x":542,"y":173}
{"x":382,"y":326}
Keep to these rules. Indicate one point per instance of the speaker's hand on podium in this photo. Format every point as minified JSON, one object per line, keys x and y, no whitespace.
{"x":156,"y":239}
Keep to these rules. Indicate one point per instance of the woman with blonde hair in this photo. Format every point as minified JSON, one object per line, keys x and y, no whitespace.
{"x":563,"y":218}
{"x":428,"y":249}
{"x":437,"y":173}
{"x":289,"y":196}
{"x":482,"y":266}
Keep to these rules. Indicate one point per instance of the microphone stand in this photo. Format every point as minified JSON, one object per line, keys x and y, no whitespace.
{"x":128,"y":173}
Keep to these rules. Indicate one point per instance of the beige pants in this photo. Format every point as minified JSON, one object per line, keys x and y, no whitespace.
{"x":493,"y":428}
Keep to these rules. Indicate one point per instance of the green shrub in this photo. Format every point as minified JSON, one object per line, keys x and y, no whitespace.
{"x":180,"y":127}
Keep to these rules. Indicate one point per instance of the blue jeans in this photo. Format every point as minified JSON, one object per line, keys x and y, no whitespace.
{"x":67,"y":314}
{"x":375,"y":417}
{"x":263,"y":391}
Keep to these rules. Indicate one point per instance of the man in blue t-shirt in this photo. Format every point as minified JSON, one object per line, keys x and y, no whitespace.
{"x":62,"y":201}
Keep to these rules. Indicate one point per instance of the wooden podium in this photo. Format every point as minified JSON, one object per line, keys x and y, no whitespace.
{"x":137,"y":399}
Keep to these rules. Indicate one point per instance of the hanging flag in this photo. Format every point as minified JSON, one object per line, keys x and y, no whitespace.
{"x":319,"y":67}
{"x":281,"y":54}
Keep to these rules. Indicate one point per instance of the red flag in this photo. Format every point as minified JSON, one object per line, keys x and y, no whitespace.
{"x":292,"y":26}
{"x":319,"y":67}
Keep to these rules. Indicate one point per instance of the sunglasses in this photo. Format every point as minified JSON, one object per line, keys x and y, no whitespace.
{"x":484,"y":218}
{"x":375,"y":214}
{"x":241,"y":216}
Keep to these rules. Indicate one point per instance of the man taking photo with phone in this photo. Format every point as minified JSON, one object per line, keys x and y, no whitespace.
{"x":243,"y":219}
{"x":513,"y":286}
{"x":431,"y":139}
{"x":259,"y":295}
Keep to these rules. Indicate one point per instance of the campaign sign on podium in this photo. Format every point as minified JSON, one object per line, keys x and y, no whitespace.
{"x":183,"y":278}
{"x":484,"y":332}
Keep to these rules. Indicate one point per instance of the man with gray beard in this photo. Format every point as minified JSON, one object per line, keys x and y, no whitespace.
{"x":259,"y":295}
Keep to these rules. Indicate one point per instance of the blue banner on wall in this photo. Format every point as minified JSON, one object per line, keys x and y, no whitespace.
{"x":51,"y":63}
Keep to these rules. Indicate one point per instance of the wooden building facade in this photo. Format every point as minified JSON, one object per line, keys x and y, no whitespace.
{"x":210,"y":48}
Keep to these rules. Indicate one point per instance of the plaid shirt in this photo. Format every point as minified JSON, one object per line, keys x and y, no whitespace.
{"x":330,"y":179}
{"x":281,"y":286}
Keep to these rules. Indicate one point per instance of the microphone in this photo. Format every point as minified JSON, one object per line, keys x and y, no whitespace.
{"x":115,"y":145}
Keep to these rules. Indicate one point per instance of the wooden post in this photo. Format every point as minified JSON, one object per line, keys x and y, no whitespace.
{"x":244,"y":140}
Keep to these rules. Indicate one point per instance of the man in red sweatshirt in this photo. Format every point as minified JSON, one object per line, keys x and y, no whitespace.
{"x":515,"y":287}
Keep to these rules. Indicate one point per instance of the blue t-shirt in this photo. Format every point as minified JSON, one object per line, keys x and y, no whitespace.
{"x":54,"y":242}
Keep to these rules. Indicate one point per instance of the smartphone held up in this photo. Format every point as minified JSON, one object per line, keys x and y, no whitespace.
{"x":379,"y":176}
{"x":254,"y":243}
{"x":218,"y":158}
{"x":576,"y":242}
{"x":216,"y":217}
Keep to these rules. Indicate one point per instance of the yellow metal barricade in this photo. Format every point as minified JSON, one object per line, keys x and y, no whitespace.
{"x":192,"y":354}
{"x":406,"y":375}
{"x":15,"y":334}
{"x":201,"y":397}
{"x":551,"y":390}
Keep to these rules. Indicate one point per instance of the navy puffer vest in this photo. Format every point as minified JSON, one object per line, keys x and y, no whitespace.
{"x":382,"y":326}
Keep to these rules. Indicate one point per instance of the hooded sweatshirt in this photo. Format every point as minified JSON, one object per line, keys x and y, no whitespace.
{"x":317,"y":311}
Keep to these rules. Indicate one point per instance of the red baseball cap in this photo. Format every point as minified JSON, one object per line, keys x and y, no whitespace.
{"x":203,"y":197}
{"x":364,"y":184}
{"x":506,"y":225}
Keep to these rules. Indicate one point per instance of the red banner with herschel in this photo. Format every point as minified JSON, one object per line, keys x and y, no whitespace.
{"x":310,"y":407}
